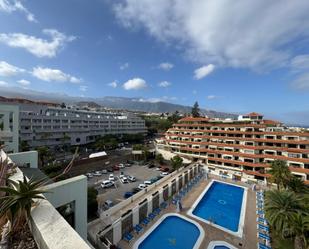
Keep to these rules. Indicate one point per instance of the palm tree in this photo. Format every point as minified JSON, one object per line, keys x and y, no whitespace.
{"x":176,"y":162}
{"x":280,"y":173}
{"x":43,"y":152}
{"x":281,"y":208}
{"x":297,"y":185}
{"x":299,"y":227}
{"x":16,"y":205}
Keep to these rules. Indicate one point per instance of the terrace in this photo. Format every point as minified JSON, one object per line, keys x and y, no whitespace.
{"x":129,"y":216}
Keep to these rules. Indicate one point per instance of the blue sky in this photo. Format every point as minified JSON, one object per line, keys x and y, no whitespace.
{"x":235,"y":57}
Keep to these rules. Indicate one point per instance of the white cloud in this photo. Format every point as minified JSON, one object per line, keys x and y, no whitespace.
{"x":203,"y":71}
{"x":135,"y":84}
{"x":124,"y":66}
{"x":300,"y":62}
{"x":12,"y":6}
{"x":301,"y":82}
{"x":38,"y":46}
{"x":156,"y":100}
{"x":212,"y":97}
{"x":24,"y":82}
{"x":241,"y":34}
{"x":164,"y":84}
{"x":113,"y":84}
{"x":166,"y":66}
{"x":49,"y":74}
{"x":83,"y":88}
{"x":3,"y":83}
{"x":7,"y":69}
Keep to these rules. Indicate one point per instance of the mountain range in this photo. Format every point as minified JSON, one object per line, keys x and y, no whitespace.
{"x":122,"y":103}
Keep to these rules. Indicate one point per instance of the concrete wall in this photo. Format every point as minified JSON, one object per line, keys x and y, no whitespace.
{"x":27,"y":157}
{"x":71,"y":190}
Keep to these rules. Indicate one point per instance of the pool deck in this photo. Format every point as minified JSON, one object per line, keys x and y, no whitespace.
{"x":248,"y":239}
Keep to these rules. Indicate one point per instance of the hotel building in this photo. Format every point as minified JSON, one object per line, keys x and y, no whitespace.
{"x":47,"y":124}
{"x":242,"y":149}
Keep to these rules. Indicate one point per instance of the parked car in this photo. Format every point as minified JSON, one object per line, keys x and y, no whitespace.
{"x":104,"y":171}
{"x":110,"y":169}
{"x":127,"y":195}
{"x":121,"y":166}
{"x":147,"y":182}
{"x":111,"y":177}
{"x":121,"y":174}
{"x":108,"y":204}
{"x":124,"y":180}
{"x":135,"y":190}
{"x":158,"y":168}
{"x":164,"y":174}
{"x":151,"y":166}
{"x":89,"y":175}
{"x":107,"y":184}
{"x":115,"y":167}
{"x":153,"y":180}
{"x":132,"y":178}
{"x":164,"y":169}
{"x":128,"y":165}
{"x":97,"y":173}
{"x":142,"y":186}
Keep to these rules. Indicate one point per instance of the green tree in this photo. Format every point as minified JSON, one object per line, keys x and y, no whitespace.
{"x":44,"y":153}
{"x":285,"y":212}
{"x":299,"y":229}
{"x":92,"y":202}
{"x":159,"y":159}
{"x":280,"y":173}
{"x":16,"y":205}
{"x":24,"y":146}
{"x":195,"y":112}
{"x":176,"y":162}
{"x":297,"y":185}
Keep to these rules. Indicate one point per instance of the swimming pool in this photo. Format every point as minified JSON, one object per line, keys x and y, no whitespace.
{"x":223,"y":206}
{"x":220,"y":245}
{"x":172,"y":231}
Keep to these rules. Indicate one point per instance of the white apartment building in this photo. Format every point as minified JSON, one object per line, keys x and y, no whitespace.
{"x":43,"y":123}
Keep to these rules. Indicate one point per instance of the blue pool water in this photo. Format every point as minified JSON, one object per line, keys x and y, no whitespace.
{"x":221,"y":205}
{"x":172,"y":233}
{"x":221,"y":247}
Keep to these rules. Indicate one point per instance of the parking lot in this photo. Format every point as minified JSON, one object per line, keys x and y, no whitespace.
{"x":116,"y":193}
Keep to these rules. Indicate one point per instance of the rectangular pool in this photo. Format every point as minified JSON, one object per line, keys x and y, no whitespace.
{"x":222,"y":205}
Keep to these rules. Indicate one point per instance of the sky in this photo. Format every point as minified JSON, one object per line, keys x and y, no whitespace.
{"x":234,"y":56}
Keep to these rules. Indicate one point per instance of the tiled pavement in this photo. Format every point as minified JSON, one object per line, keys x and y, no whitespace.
{"x":248,"y":239}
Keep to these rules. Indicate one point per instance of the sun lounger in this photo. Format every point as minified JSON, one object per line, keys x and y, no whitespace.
{"x":263,"y":227}
{"x":138,"y":228}
{"x":261,"y":220}
{"x":145,"y":222}
{"x":260,"y":212}
{"x":128,"y":237}
{"x":163,"y":205}
{"x":262,"y":246}
{"x":263,"y":236}
{"x":157,"y":211}
{"x":151,"y":216}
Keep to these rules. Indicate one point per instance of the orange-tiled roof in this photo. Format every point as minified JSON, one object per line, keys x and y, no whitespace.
{"x":253,"y":114}
{"x":249,"y":172}
{"x":194,"y":119}
{"x":271,"y":122}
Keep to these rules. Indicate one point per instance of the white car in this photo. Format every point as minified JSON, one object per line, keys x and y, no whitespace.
{"x":121,"y":165}
{"x":107,"y":184}
{"x":142,"y":186}
{"x":158,"y":169}
{"x":111,"y":177}
{"x":132,"y":178}
{"x":147,"y":182}
{"x":104,"y":171}
{"x":164,"y":174}
{"x":124,"y":180}
{"x":97,"y":173}
{"x":89,"y":175}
